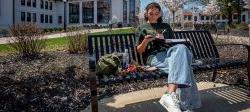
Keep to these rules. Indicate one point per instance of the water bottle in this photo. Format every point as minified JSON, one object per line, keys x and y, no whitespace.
{"x":125,"y":59}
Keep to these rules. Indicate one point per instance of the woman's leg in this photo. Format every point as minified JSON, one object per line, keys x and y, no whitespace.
{"x":181,"y":76}
{"x":177,"y":63}
{"x":172,"y":88}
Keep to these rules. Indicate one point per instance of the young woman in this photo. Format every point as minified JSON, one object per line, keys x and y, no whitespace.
{"x":182,"y":93}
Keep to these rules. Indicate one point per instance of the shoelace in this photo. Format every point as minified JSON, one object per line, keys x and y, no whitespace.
{"x":175,"y":99}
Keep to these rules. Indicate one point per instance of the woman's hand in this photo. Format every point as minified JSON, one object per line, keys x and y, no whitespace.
{"x":148,"y":38}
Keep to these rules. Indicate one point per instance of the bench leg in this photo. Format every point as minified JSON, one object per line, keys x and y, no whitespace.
{"x":93,"y":91}
{"x":214,"y":75}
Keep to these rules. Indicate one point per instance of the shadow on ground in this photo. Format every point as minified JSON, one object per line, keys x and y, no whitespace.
{"x":220,"y":99}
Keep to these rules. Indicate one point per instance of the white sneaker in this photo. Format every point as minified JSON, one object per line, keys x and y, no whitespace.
{"x":188,"y":110}
{"x":170,"y":102}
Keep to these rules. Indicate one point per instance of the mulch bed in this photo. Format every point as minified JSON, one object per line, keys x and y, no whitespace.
{"x":57,"y":81}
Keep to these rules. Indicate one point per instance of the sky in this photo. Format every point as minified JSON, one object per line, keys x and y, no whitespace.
{"x":189,"y":6}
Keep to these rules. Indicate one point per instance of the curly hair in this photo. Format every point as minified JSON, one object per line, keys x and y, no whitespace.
{"x":153,"y":5}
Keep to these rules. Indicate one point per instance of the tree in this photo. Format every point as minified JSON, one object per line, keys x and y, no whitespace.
{"x":173,"y":5}
{"x":226,"y":9}
{"x":141,"y":16}
{"x":204,"y":2}
{"x":212,"y":9}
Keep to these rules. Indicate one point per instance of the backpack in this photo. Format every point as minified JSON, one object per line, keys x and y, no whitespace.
{"x":108,"y":64}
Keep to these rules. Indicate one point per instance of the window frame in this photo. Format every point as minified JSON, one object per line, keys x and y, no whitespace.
{"x":46,"y":5}
{"x":34,"y":17}
{"x":23,"y":16}
{"x":23,"y":2}
{"x":50,"y":19}
{"x":46,"y":18}
{"x":59,"y":19}
{"x":28,"y":3}
{"x":34,"y":3}
{"x":42,"y":4}
{"x":28,"y":17}
{"x":41,"y":18}
{"x":50,"y":5}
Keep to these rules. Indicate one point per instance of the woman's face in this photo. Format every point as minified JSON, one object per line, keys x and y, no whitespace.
{"x":153,"y":15}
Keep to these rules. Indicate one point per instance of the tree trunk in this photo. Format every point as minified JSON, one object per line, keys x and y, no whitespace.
{"x":229,"y":17}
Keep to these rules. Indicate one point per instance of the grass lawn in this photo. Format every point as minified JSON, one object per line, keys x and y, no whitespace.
{"x":60,"y":43}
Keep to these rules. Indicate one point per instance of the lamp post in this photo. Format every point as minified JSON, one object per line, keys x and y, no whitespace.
{"x":229,"y":13}
{"x":65,"y":20}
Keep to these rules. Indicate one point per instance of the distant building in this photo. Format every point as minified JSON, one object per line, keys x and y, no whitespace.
{"x":189,"y":16}
{"x":50,"y":13}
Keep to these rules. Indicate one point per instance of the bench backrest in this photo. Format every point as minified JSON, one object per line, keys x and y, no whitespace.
{"x":100,"y":45}
{"x":202,"y":44}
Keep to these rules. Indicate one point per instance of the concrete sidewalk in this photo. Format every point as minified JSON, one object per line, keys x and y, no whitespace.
{"x":5,"y":40}
{"x":215,"y":98}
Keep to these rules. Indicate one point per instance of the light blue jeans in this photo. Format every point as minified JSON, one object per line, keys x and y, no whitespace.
{"x":176,"y":62}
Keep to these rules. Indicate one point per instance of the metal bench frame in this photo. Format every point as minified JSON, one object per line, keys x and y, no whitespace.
{"x":202,"y":47}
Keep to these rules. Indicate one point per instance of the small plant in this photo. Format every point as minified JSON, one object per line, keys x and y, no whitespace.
{"x":4,"y":33}
{"x":27,"y":39}
{"x":77,"y":40}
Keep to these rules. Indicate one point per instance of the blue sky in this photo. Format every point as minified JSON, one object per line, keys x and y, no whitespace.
{"x":144,"y":3}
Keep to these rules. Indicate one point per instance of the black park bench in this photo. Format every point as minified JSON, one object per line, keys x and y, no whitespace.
{"x":202,"y":46}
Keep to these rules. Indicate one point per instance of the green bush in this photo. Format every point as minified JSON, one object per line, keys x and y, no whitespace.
{"x":27,"y":39}
{"x":242,"y":26}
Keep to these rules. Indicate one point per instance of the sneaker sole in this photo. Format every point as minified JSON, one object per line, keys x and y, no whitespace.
{"x":162,"y":103}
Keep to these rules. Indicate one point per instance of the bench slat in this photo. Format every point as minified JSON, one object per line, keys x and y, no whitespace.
{"x":111,"y":43}
{"x":96,"y":48}
{"x":107,"y":45}
{"x":101,"y":45}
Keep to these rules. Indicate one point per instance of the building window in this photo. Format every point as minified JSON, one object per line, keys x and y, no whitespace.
{"x":42,"y":18}
{"x":46,"y":4}
{"x":42,"y":4}
{"x":23,"y":2}
{"x":218,"y":17}
{"x":46,"y":18}
{"x":50,"y":19}
{"x":235,"y":16}
{"x":60,"y":19}
{"x":50,"y":6}
{"x":28,"y":16}
{"x":28,"y":2}
{"x":202,"y":17}
{"x":243,"y":18}
{"x":34,"y":17}
{"x":103,"y":11}
{"x":125,"y":9}
{"x":88,"y":12}
{"x":185,"y":17}
{"x":34,"y":3}
{"x":131,"y":11}
{"x":189,"y":18}
{"x":22,"y":16}
{"x":248,"y":15}
{"x":73,"y":13}
{"x":207,"y":17}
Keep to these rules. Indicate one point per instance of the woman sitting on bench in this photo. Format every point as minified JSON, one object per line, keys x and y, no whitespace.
{"x":182,"y":93}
